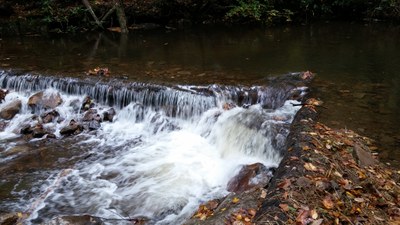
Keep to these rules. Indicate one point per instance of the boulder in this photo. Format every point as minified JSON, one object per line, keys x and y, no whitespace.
{"x":76,"y":220}
{"x":3,"y":125}
{"x":87,"y":104}
{"x":90,"y":115}
{"x":72,"y":128}
{"x":11,"y":109}
{"x":38,"y":131}
{"x":9,"y":219}
{"x":94,"y":125}
{"x":26,"y":129}
{"x":250,"y":176}
{"x":47,"y":101}
{"x":363,"y":156}
{"x":3,"y":94}
{"x":49,"y":116}
{"x":109,"y":115}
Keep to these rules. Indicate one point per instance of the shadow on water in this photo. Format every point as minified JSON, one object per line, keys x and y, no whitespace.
{"x":357,"y":65}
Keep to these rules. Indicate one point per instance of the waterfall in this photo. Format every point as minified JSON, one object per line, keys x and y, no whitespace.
{"x":168,"y":148}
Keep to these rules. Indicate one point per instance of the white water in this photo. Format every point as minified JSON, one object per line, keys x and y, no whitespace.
{"x":147,"y":164}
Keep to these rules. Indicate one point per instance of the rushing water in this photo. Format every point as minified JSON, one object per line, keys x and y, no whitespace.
{"x":167,"y":149}
{"x":358,"y":78}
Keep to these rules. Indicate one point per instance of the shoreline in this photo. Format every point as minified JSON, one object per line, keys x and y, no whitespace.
{"x":328,"y":176}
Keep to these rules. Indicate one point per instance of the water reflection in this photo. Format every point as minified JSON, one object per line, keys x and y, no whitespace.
{"x":358,"y":65}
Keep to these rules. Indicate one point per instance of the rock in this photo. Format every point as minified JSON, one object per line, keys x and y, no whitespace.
{"x":51,"y":136}
{"x":26,"y":129}
{"x":94,"y":125}
{"x":3,"y":94}
{"x":109,"y":115}
{"x":9,"y":219}
{"x":72,"y":128}
{"x":3,"y":125}
{"x":75,"y":220}
{"x":47,"y":101}
{"x":75,"y":104}
{"x":364,"y":158}
{"x":249,"y":176}
{"x":49,"y":116}
{"x":89,"y":115}
{"x":87,"y":104}
{"x":38,"y":131}
{"x":11,"y":109}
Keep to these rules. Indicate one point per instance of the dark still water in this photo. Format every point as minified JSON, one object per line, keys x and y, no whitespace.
{"x":357,"y":65}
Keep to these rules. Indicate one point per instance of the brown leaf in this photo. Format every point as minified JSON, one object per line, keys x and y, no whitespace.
{"x":284,"y":207}
{"x":301,"y":218}
{"x":327,"y":202}
{"x":284,"y":184}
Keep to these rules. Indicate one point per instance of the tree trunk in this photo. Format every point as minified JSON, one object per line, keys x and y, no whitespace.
{"x":121,"y":16}
{"x":89,"y":7}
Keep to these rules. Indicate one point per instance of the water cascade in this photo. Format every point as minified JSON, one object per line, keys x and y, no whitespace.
{"x":167,"y":149}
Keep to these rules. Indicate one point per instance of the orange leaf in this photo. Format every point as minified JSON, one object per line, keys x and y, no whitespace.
{"x":327,"y":202}
{"x":284,"y":207}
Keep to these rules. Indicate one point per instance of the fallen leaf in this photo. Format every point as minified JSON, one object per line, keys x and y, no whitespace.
{"x":252,"y":212}
{"x":317,"y":222}
{"x":314,"y":214}
{"x":235,"y":200}
{"x":327,"y":202}
{"x":302,"y":217}
{"x":284,"y":184}
{"x":284,"y":207}
{"x":263,"y":194}
{"x":310,"y":167}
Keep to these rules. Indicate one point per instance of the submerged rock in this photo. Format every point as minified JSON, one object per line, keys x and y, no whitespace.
{"x":94,"y":125}
{"x":47,"y":101}
{"x":250,"y":176}
{"x":3,"y":125}
{"x":11,"y":109}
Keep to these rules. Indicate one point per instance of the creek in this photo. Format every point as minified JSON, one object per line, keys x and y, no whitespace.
{"x":172,"y":145}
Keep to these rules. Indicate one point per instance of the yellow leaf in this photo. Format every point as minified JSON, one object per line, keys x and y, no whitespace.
{"x":310,"y":167}
{"x":239,"y":217}
{"x":19,"y":215}
{"x":235,"y":200}
{"x":203,"y":217}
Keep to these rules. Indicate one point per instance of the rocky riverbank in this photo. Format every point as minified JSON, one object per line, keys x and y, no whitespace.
{"x":326,"y":177}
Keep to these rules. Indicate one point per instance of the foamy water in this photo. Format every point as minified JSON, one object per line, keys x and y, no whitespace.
{"x":149,"y":164}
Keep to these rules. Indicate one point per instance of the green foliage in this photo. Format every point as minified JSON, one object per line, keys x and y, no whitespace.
{"x":59,"y":19}
{"x":251,"y":10}
{"x":255,"y":11}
